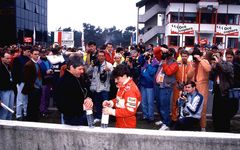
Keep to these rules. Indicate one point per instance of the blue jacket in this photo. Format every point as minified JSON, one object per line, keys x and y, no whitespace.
{"x":148,"y":72}
{"x":193,"y":107}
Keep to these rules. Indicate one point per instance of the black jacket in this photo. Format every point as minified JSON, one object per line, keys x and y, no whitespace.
{"x":5,"y":83}
{"x":18,"y":65}
{"x":70,"y":94}
{"x":225,"y":72}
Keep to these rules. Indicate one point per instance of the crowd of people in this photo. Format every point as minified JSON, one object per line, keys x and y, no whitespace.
{"x":121,"y":81}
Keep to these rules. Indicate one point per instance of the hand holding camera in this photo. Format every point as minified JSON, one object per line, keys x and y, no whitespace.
{"x":148,"y":57}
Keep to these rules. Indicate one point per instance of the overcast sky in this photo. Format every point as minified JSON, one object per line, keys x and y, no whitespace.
{"x":103,"y":13}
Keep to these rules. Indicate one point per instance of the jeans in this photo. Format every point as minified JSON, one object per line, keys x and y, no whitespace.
{"x":7,"y":97}
{"x":45,"y":98}
{"x":147,"y":102}
{"x":99,"y":97}
{"x":164,"y":100}
{"x":22,"y":101}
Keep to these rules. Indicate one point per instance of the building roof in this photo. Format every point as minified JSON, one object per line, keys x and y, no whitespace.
{"x":141,"y":3}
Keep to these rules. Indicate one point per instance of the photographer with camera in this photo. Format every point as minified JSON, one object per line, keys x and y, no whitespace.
{"x":47,"y":83}
{"x":165,"y":79}
{"x":134,"y":66}
{"x":100,"y":82}
{"x":191,"y":105}
{"x":222,"y":75}
{"x":181,"y":78}
{"x":199,"y":73}
{"x":148,"y":70}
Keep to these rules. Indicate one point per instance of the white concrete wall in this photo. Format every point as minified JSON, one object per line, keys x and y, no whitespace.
{"x":40,"y":136}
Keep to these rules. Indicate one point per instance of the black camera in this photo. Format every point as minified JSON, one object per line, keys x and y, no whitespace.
{"x":103,"y":76}
{"x":148,"y":56}
{"x":196,"y":51}
{"x":185,"y":113}
{"x":184,"y":94}
{"x":164,"y":56}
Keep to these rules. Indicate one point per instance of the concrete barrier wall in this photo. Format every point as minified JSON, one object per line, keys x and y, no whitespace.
{"x":16,"y":135}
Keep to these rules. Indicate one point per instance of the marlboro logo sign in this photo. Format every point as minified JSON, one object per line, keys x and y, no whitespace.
{"x":227,"y":30}
{"x":182,"y":29}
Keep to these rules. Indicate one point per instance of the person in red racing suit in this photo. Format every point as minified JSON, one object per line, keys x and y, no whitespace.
{"x":127,"y":99}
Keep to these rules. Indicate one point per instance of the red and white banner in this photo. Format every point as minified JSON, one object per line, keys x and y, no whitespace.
{"x":227,"y":30}
{"x":182,"y":29}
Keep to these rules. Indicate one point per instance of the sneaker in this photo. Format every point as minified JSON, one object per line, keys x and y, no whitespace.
{"x":164,"y":127}
{"x":96,"y":120}
{"x":159,"y":123}
{"x":203,"y":129}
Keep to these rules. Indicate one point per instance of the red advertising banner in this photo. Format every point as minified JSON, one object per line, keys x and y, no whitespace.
{"x":182,"y":29}
{"x":227,"y":30}
{"x":27,"y":39}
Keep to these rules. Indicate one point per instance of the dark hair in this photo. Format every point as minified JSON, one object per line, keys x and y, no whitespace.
{"x":151,"y":45}
{"x":120,"y":71}
{"x":55,"y":51}
{"x":229,"y":52}
{"x":214,"y":47}
{"x":164,"y":45}
{"x":119,"y":49}
{"x":3,"y":52}
{"x":92,"y":43}
{"x":193,"y":84}
{"x":24,"y":48}
{"x":109,"y":43}
{"x":101,"y":51}
{"x":196,"y":51}
{"x":34,"y":49}
{"x":75,"y":60}
{"x":184,"y":52}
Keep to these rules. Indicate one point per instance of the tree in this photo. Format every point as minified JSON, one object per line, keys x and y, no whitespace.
{"x":67,"y":29}
{"x":113,"y":35}
{"x":92,"y":34}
